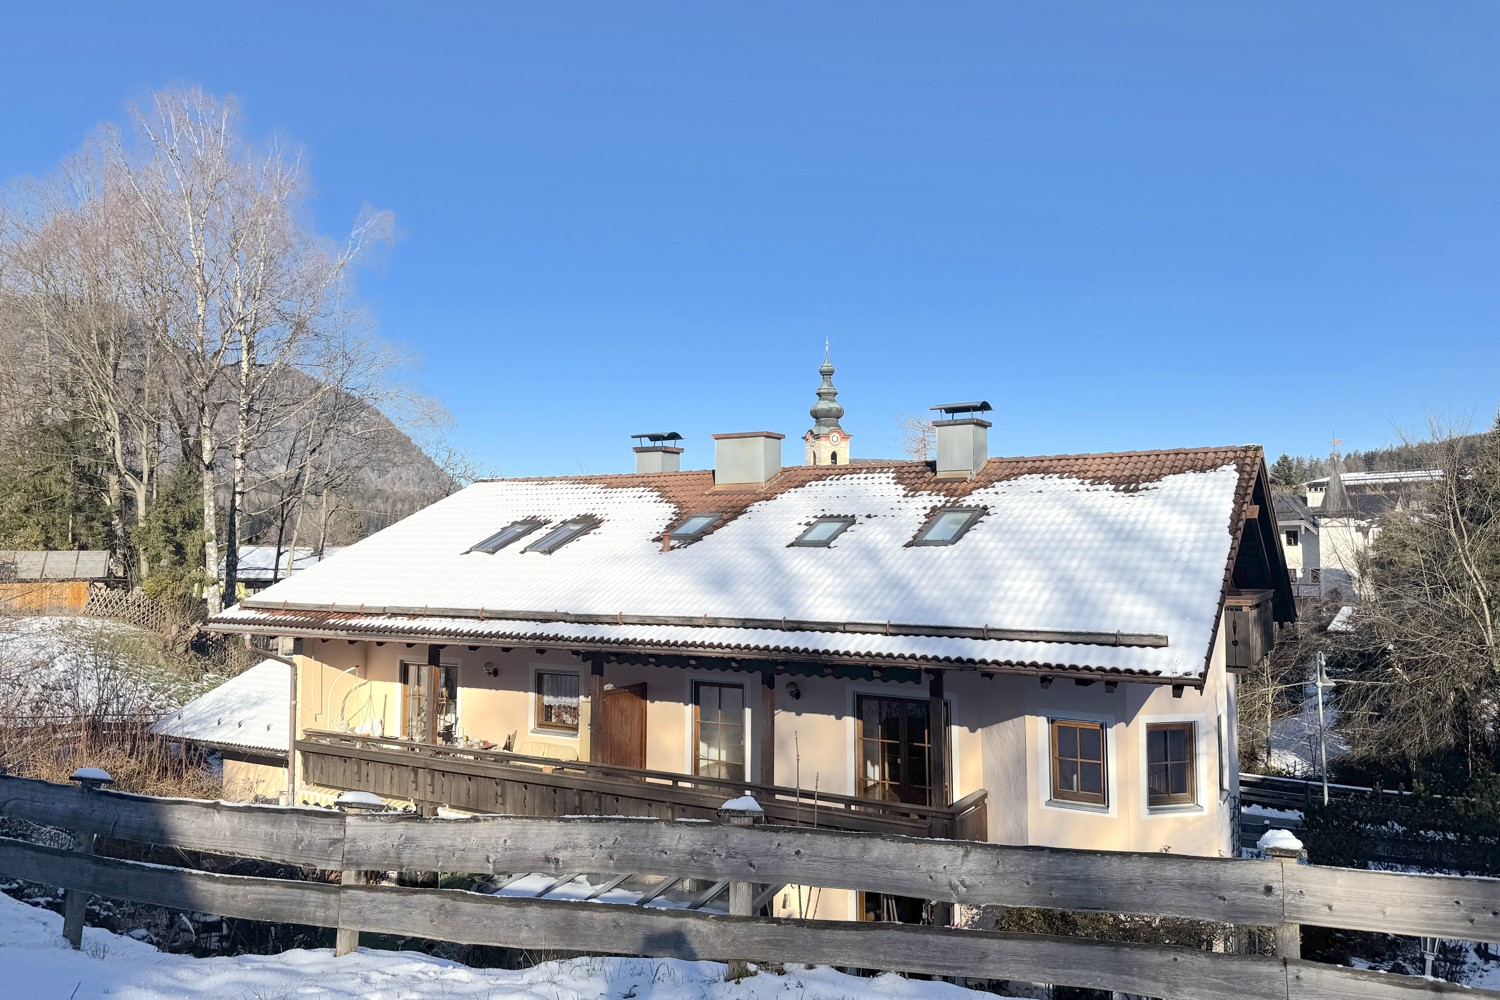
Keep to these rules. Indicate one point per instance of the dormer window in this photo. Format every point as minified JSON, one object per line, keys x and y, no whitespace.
{"x":693,"y":528}
{"x":822,"y":532}
{"x":947,"y":525}
{"x":506,"y":535}
{"x":562,"y":535}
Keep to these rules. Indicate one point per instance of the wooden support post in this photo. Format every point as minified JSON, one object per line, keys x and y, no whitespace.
{"x":765,"y":730}
{"x":346,"y":941}
{"x":741,"y":812}
{"x":433,"y":684}
{"x":937,"y":737}
{"x":76,"y":901}
{"x":596,"y":710}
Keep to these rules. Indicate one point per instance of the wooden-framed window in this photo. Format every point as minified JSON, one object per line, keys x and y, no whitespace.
{"x":1169,"y":764}
{"x":1079,"y":772}
{"x":719,"y":724}
{"x":556,"y":701}
{"x":894,"y":741}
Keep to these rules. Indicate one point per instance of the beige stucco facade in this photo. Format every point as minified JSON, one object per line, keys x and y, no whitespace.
{"x":999,"y":732}
{"x":251,"y":779}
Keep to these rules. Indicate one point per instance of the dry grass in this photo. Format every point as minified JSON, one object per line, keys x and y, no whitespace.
{"x":137,"y":760}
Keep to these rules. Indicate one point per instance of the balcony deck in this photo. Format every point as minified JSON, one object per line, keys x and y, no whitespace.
{"x":493,"y":781}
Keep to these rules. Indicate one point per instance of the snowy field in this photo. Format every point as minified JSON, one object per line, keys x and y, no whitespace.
{"x":36,"y":964}
{"x":66,"y":666}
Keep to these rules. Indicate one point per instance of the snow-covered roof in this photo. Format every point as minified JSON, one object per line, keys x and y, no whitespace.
{"x":1124,"y":557}
{"x":1379,"y":478}
{"x":260,"y":562}
{"x":251,"y":710}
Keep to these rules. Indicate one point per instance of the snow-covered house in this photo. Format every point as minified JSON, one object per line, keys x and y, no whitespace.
{"x":246,"y":722}
{"x":1023,"y":650}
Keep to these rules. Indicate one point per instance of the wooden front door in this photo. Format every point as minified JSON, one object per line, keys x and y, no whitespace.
{"x":624,"y":718}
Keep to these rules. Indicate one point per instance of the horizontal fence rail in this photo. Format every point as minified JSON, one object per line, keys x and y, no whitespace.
{"x":1249,"y":893}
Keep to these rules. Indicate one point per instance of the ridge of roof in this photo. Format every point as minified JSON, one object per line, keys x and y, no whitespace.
{"x":873,"y":465}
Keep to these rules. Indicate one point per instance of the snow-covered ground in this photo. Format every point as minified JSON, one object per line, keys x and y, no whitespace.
{"x":58,"y":666}
{"x":1294,"y":740}
{"x":36,"y":964}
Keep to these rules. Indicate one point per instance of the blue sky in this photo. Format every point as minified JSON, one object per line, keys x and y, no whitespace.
{"x":1126,"y":225}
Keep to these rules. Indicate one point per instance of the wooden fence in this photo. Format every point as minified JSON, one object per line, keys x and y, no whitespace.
{"x":1275,"y":894}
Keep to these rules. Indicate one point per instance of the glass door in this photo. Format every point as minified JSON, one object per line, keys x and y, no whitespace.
{"x":429,"y":702}
{"x":894,"y":740}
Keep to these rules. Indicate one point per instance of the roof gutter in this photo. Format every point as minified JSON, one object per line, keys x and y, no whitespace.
{"x":1061,"y":636}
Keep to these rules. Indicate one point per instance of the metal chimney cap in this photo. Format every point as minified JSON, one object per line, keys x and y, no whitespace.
{"x":978,"y":406}
{"x":657,"y":437}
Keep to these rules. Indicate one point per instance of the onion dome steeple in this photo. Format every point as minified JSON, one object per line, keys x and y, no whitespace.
{"x":827,"y":442}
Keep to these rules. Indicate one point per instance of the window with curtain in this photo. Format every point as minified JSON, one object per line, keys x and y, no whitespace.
{"x":556,"y":701}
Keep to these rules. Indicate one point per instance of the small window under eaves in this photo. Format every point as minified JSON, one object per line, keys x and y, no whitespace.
{"x":823,"y":531}
{"x":693,"y":528}
{"x":947,"y":525}
{"x":506,"y":535}
{"x":562,"y":535}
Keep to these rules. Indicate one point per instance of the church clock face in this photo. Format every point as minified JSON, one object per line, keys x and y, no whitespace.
{"x":835,"y":437}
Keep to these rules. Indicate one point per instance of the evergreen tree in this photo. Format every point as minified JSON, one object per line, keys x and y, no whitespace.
{"x":171,"y":540}
{"x":52,"y":491}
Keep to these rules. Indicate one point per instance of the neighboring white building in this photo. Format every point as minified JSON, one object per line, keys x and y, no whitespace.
{"x":1349,"y":507}
{"x":1300,"y":544}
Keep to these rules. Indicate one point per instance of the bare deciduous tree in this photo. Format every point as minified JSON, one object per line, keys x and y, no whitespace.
{"x":1421,"y":665}
{"x":918,"y":437}
{"x":253,"y":287}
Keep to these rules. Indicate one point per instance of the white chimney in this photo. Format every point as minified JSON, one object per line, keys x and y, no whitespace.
{"x":656,"y":453}
{"x":748,"y":459}
{"x":963,"y":439}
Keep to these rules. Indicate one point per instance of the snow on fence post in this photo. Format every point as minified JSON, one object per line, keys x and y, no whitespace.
{"x":743,"y":811}
{"x":1284,"y":847}
{"x":76,"y":901}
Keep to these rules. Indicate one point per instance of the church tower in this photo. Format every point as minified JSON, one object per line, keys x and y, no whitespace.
{"x":827,"y":442}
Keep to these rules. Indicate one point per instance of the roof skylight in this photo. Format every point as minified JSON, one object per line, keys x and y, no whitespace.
{"x":693,"y":528}
{"x":506,"y":535}
{"x":947,"y":526}
{"x":562,"y":535}
{"x":823,"y":531}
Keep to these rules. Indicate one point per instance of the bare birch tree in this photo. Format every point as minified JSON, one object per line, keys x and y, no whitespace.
{"x":253,"y":287}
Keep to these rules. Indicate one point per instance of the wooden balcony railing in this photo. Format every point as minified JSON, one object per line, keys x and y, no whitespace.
{"x":494,"y":781}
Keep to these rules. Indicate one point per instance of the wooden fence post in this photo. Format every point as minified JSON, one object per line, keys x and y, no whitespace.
{"x":743,"y":811}
{"x":1283,"y":846}
{"x":346,"y":939}
{"x":76,"y":901}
